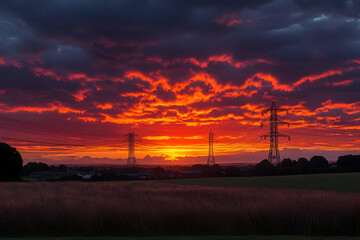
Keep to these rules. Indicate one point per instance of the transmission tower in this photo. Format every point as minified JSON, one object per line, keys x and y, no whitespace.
{"x":274,"y":154}
{"x":131,"y":161}
{"x":211,"y":157}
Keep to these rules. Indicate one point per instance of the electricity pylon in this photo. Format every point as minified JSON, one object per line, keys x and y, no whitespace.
{"x":211,"y":157}
{"x":274,"y":154}
{"x":131,"y":161}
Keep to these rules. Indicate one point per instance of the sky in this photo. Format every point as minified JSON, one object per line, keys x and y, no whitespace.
{"x":76,"y":76}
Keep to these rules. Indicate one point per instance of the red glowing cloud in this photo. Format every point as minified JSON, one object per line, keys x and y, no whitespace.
{"x":171,"y":72}
{"x":232,"y":19}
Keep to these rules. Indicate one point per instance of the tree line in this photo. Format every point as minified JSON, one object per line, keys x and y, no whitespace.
{"x":11,"y":166}
{"x":316,"y":164}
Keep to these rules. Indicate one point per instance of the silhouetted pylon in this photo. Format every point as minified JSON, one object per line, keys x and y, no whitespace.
{"x":131,"y":161}
{"x":211,"y":157}
{"x":274,"y":154}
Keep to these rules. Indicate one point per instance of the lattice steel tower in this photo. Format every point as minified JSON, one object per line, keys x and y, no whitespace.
{"x":274,"y":154}
{"x":211,"y":158}
{"x":131,"y":161}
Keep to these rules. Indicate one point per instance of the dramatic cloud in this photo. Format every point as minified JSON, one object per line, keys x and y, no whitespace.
{"x":76,"y":76}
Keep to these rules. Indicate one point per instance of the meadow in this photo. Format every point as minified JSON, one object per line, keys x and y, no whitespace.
{"x":273,"y":237}
{"x":340,"y":182}
{"x":149,"y":208}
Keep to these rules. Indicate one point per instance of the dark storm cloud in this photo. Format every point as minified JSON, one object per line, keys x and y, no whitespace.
{"x":114,"y":32}
{"x":24,"y":88}
{"x":124,"y":22}
{"x":16,"y":37}
{"x":103,"y":40}
{"x":348,"y":7}
{"x":66,"y":58}
{"x":24,"y":78}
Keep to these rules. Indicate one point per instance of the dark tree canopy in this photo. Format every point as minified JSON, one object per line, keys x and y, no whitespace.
{"x":263,"y":168}
{"x":319,"y":162}
{"x":62,"y":168}
{"x":11,"y":162}
{"x":287,"y":163}
{"x":349,"y":162}
{"x":303,"y":163}
{"x":35,"y":167}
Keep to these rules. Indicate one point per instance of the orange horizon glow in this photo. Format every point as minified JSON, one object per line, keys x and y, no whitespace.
{"x":177,"y":127}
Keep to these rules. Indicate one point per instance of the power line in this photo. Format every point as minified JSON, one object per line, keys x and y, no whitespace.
{"x":229,"y":138}
{"x":245,"y":136}
{"x":39,"y":129}
{"x":40,"y":142}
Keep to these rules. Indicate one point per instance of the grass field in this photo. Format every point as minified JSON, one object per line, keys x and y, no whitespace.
{"x":275,"y":237}
{"x":149,"y":208}
{"x":341,"y":182}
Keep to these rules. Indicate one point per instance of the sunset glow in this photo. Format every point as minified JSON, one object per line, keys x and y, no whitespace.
{"x":72,"y":86}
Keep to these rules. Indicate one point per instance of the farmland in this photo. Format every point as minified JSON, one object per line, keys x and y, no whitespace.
{"x":275,"y":237}
{"x":341,"y":182}
{"x":149,"y":208}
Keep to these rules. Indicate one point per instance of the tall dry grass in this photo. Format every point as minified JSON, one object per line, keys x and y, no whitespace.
{"x":152,"y":208}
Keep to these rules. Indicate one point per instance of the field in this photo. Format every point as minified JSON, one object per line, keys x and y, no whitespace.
{"x":340,"y":182}
{"x":274,"y":237}
{"x":149,"y":208}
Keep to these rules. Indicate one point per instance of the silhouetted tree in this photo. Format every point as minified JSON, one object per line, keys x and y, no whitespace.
{"x":62,"y":168}
{"x":11,"y":162}
{"x":349,"y":162}
{"x":319,"y":162}
{"x":287,"y":163}
{"x":198,"y":167}
{"x":35,"y":167}
{"x":263,"y":168}
{"x":303,"y":163}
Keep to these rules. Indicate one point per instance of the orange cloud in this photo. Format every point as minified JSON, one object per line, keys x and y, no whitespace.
{"x":105,"y":106}
{"x":50,"y":108}
{"x":315,"y":77}
{"x":88,"y":119}
{"x":349,"y":108}
{"x":82,"y":94}
{"x":77,"y":76}
{"x":160,"y":138}
{"x":253,"y":82}
{"x":221,"y":58}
